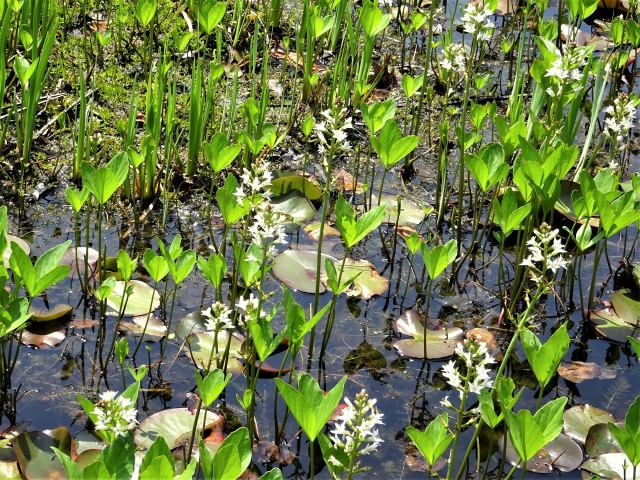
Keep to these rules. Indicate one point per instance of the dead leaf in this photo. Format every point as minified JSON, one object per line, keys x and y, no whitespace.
{"x":577,"y":372}
{"x":344,"y":181}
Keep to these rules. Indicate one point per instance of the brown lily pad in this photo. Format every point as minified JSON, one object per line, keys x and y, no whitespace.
{"x":577,"y":372}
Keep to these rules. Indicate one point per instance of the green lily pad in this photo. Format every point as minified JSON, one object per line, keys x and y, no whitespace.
{"x":194,"y":322}
{"x":34,"y":454}
{"x":175,"y":426}
{"x":7,"y":252}
{"x":287,"y":183}
{"x":47,"y":315}
{"x":368,"y":282}
{"x":202,"y":347}
{"x":155,"y":331}
{"x":295,"y":206}
{"x":297,"y":270}
{"x":578,"y":420}
{"x":410,"y":212}
{"x":441,"y":343}
{"x":600,"y":440}
{"x":143,"y":299}
{"x":562,"y":454}
{"x":609,"y":466}
{"x":620,"y":320}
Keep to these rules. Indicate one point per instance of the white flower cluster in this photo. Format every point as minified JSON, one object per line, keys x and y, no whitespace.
{"x":453,"y":59}
{"x":355,"y":431}
{"x":565,"y":68}
{"x":255,"y":183}
{"x":249,"y":307}
{"x":475,"y":20}
{"x":336,"y":128}
{"x":268,"y":228}
{"x":476,"y":358}
{"x":115,"y":414}
{"x":545,"y":253}
{"x":619,"y":118}
{"x":218,"y":317}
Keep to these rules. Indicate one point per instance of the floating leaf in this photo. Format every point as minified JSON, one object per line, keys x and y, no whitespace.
{"x":600,"y":440}
{"x":441,"y":343}
{"x":562,"y":453}
{"x":202,"y":346}
{"x":367,"y":283}
{"x":482,"y":335}
{"x":313,"y":231}
{"x":143,"y":298}
{"x":287,"y":183}
{"x":175,"y":426}
{"x":577,"y":372}
{"x":578,"y":420}
{"x":344,"y":181}
{"x":295,"y":206}
{"x":75,"y":258}
{"x":46,"y":315}
{"x":24,"y":246}
{"x":297,"y":270}
{"x":155,"y":330}
{"x":42,"y":339}
{"x":610,"y":465}
{"x":34,"y":454}
{"x":620,"y":320}
{"x":410,"y":212}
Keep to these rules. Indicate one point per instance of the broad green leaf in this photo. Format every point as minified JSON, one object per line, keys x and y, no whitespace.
{"x":435,"y":439}
{"x":545,"y":358}
{"x":310,"y":407}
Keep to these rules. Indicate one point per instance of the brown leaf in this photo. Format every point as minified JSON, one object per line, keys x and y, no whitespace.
{"x":577,"y":372}
{"x":345,"y":182}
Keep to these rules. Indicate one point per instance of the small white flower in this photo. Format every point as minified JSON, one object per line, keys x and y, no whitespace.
{"x":355,"y":431}
{"x":115,"y":414}
{"x":546,"y":253}
{"x":475,"y":358}
{"x":218,"y":317}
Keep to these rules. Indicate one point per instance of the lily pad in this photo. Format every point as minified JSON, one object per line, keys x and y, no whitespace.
{"x":287,"y":183}
{"x":578,"y":420}
{"x":295,"y":206}
{"x":609,"y":466}
{"x":143,"y":299}
{"x":620,"y":320}
{"x":7,"y":252}
{"x":75,"y":258}
{"x":313,"y":231}
{"x":297,"y":270}
{"x":175,"y":425}
{"x":46,"y":315}
{"x":368,"y":282}
{"x":42,"y":339}
{"x":34,"y":454}
{"x":562,"y":454}
{"x":202,"y":347}
{"x":410,"y":212}
{"x":600,"y":440}
{"x":578,"y":372}
{"x":441,"y":343}
{"x":155,"y":331}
